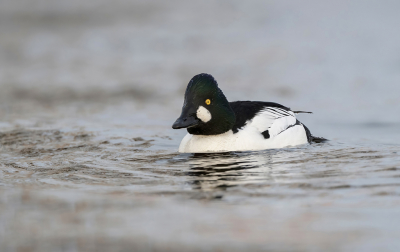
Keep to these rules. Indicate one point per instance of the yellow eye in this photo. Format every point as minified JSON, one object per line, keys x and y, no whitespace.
{"x":208,"y":102}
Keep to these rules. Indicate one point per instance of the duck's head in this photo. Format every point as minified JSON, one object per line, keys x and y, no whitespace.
{"x":205,"y":110}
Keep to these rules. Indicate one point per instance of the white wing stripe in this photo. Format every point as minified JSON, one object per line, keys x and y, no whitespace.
{"x":280,"y":125}
{"x":280,"y":112}
{"x":273,"y":119}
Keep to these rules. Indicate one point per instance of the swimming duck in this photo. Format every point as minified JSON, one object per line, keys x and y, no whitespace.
{"x":216,"y":125}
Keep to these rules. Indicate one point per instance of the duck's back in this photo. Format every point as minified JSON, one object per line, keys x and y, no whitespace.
{"x":246,"y":111}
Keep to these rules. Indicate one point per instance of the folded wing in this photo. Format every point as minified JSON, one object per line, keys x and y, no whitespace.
{"x":275,"y":120}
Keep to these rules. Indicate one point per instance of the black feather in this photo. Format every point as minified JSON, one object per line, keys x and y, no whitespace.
{"x":265,"y":134}
{"x":297,"y":112}
{"x":246,"y":110}
{"x":312,"y":138}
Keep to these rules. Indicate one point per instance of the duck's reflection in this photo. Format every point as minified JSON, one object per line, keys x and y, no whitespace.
{"x":222,"y":170}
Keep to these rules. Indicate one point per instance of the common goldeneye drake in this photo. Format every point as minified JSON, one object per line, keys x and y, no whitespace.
{"x":216,"y":125}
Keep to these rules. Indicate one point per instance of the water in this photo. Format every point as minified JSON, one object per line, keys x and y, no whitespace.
{"x":89,"y":91}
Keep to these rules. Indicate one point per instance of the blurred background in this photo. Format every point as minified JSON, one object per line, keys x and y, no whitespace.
{"x":113,"y":73}
{"x":339,"y":59}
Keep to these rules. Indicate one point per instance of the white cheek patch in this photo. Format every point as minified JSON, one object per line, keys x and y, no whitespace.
{"x":203,"y":114}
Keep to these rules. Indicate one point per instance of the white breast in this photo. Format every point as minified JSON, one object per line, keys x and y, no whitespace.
{"x":245,"y":140}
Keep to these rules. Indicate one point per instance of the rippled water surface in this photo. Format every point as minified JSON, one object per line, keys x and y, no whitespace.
{"x":89,"y":91}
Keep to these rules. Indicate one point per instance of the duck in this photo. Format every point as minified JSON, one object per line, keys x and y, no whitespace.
{"x":216,"y":125}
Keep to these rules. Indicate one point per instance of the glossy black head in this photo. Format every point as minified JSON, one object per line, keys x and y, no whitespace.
{"x":205,"y":110}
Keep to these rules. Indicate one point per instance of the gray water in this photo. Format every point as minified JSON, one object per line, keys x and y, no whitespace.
{"x":90,"y":89}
